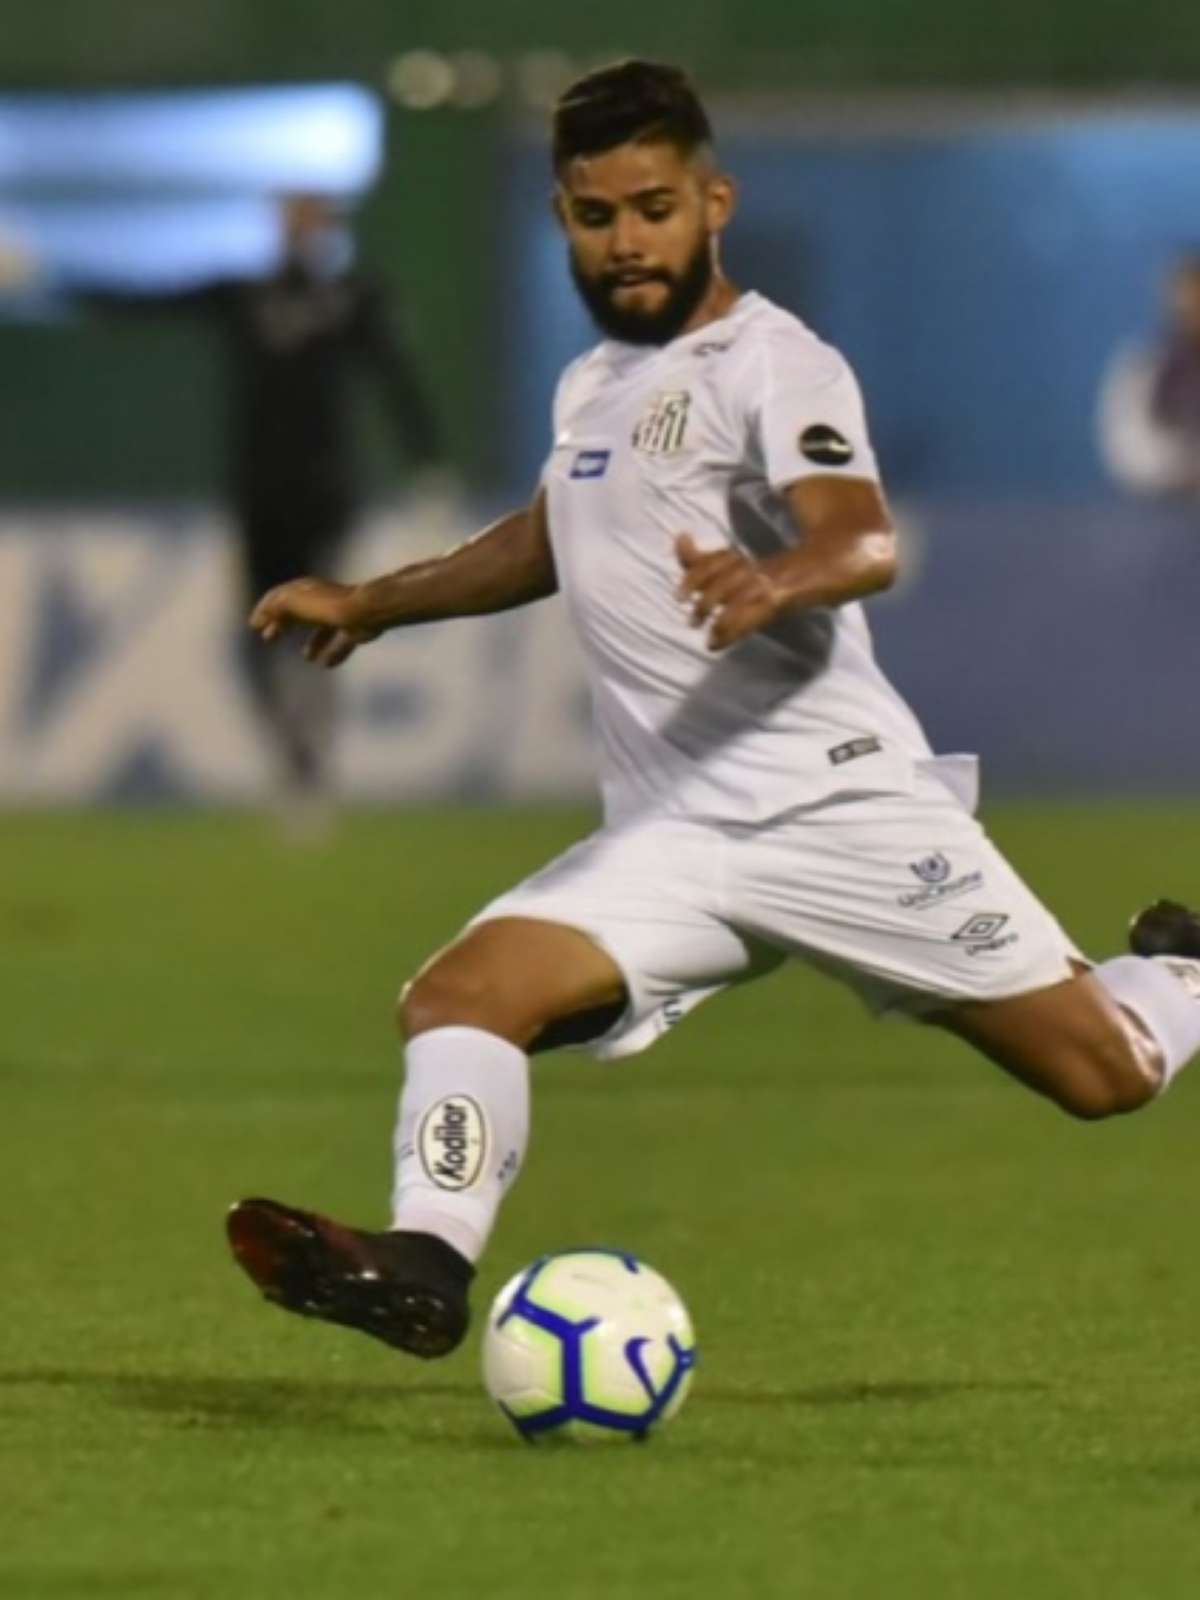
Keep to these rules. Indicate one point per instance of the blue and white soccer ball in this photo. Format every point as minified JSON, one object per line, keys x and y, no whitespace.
{"x":592,"y":1344}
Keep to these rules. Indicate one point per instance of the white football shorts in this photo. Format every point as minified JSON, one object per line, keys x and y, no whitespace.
{"x":903,"y":897}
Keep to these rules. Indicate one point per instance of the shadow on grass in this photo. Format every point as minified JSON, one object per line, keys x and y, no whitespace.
{"x":439,"y":1412}
{"x":898,"y":1392}
{"x":208,"y":1401}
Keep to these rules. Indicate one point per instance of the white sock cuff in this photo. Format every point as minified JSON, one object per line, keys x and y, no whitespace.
{"x":1163,"y":992}
{"x":457,"y":1036}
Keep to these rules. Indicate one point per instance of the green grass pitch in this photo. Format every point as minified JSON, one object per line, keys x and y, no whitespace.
{"x":950,"y":1340}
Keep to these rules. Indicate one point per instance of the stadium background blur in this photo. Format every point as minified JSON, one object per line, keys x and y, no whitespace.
{"x":978,"y":250}
{"x":948,"y":1338}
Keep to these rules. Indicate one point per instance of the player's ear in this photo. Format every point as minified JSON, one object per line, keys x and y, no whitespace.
{"x":720,"y":201}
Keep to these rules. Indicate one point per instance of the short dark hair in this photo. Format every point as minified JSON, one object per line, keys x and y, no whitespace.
{"x":643,"y":101}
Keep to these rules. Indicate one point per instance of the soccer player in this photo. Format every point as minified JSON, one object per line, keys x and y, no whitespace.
{"x":711,"y":513}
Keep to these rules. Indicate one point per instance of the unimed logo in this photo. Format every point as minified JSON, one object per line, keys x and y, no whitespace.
{"x":453,"y":1142}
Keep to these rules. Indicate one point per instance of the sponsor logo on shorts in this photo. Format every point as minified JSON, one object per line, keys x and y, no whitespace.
{"x":853,"y":748}
{"x":1188,"y":973}
{"x":453,"y":1142}
{"x":983,"y":933}
{"x":935,"y":894}
{"x":933,"y":868}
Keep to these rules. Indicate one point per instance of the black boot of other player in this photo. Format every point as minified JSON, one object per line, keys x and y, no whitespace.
{"x":1165,"y":929}
{"x":408,"y":1289}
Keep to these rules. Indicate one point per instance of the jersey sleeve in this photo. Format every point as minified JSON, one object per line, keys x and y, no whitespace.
{"x":555,"y":410}
{"x":806,"y":415}
{"x":559,"y":410}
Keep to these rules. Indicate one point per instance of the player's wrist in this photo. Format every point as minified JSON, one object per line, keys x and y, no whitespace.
{"x":786,"y":576}
{"x":363,"y":608}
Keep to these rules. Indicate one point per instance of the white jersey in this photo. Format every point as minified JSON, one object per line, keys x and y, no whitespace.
{"x":702,"y":435}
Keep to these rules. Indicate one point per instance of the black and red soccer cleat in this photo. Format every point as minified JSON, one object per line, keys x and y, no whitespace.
{"x":1166,"y":929}
{"x":408,"y":1289}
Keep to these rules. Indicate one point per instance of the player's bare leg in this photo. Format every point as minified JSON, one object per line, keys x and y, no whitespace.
{"x":1110,"y":1039}
{"x":1069,"y":1042}
{"x":469,"y":1017}
{"x":522,"y":979}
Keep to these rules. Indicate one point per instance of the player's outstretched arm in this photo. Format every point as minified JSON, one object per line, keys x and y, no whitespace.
{"x":847,"y":551}
{"x":508,"y":564}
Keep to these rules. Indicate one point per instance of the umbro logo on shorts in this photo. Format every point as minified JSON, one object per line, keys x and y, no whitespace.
{"x":983,"y":932}
{"x":983,"y":925}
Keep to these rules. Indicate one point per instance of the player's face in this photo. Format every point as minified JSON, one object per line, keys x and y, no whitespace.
{"x":641,"y":221}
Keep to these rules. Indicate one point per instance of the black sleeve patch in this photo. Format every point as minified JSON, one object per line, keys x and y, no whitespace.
{"x":826,"y":446}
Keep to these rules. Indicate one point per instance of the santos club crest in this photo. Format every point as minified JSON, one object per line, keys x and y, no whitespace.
{"x":661,"y":430}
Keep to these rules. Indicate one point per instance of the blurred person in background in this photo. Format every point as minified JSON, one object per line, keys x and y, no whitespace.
{"x":293,"y":339}
{"x":1149,"y":413}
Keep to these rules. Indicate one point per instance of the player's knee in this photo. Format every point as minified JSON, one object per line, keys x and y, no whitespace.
{"x":433,"y":1000}
{"x":1105,"y":1078}
{"x":451,"y":994}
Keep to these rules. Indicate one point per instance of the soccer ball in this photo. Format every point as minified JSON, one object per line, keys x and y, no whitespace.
{"x":592,"y":1344}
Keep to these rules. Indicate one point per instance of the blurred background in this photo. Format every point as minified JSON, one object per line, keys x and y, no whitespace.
{"x":318,"y":238}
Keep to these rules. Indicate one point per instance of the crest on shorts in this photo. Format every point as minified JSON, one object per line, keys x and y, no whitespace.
{"x":661,"y":429}
{"x":933,"y":868}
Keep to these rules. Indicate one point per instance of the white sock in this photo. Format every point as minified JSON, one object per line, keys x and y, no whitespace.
{"x":461,"y":1134}
{"x":1163,"y":992}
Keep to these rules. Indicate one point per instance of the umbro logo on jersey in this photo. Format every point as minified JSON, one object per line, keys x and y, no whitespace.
{"x":590,"y":463}
{"x":660,"y":432}
{"x":826,"y":446}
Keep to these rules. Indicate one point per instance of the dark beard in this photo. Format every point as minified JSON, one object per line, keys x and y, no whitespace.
{"x":648,"y":327}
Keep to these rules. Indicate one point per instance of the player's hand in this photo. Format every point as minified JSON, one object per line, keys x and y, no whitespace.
{"x":733,"y":594}
{"x":317,"y":603}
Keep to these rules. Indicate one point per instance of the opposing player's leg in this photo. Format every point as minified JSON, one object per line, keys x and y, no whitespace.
{"x":613,"y":943}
